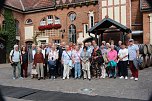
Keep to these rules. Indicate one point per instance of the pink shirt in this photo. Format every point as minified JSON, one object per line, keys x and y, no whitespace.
{"x":112,"y":55}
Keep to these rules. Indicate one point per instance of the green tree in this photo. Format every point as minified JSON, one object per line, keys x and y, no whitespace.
{"x":10,"y":30}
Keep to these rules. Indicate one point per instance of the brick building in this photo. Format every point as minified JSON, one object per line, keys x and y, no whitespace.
{"x":69,"y":20}
{"x":146,"y":9}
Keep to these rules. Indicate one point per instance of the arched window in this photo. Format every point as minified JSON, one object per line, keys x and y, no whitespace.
{"x":17,"y":27}
{"x":72,"y":16}
{"x":57,"y":20}
{"x":72,"y":33}
{"x":28,"y":21}
{"x":43,"y":22}
{"x":50,"y":19}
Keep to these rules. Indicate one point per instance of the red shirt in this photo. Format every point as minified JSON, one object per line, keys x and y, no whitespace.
{"x":38,"y":58}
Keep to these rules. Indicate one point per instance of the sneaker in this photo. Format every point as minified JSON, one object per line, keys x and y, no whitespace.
{"x":14,"y":78}
{"x":20,"y":77}
{"x":121,"y":77}
{"x":126,"y":78}
{"x":131,"y":78}
{"x":103,"y":77}
{"x":53,"y":77}
{"x":67,"y":77}
{"x":32,"y":76}
{"x":136,"y":79}
{"x":63,"y":78}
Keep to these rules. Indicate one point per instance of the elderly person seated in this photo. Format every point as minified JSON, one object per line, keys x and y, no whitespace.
{"x":112,"y":62}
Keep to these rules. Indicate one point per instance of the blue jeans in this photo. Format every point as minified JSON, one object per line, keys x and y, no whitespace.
{"x":77,"y":68}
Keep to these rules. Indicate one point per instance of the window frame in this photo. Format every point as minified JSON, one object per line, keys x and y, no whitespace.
{"x":28,"y":23}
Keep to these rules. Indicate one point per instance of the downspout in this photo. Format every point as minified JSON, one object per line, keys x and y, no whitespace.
{"x":150,"y":26}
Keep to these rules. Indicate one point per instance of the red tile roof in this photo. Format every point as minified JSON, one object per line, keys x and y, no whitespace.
{"x":27,"y":5}
{"x":146,"y":5}
{"x":14,"y":3}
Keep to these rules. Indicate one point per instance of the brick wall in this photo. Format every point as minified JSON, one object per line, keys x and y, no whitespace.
{"x":146,"y":27}
{"x":136,"y":15}
{"x":81,"y":18}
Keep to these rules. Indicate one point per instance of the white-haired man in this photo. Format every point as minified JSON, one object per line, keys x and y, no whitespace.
{"x":15,"y":59}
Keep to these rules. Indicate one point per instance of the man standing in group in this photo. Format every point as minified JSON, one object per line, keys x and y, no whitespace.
{"x":133,"y":51}
{"x":15,"y":59}
{"x":45,"y":59}
{"x":48,"y":49}
{"x":31,"y":53}
{"x":61,"y":48}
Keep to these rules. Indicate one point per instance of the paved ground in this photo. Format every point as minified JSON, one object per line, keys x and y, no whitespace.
{"x":103,"y":90}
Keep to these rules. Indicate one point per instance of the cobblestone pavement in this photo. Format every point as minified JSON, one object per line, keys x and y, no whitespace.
{"x":129,"y":89}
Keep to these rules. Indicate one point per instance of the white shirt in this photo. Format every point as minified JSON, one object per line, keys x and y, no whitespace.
{"x":122,"y":53}
{"x":43,"y":52}
{"x":66,"y":57}
{"x":53,"y":55}
{"x":76,"y":56}
{"x":15,"y":56}
{"x":33,"y":53}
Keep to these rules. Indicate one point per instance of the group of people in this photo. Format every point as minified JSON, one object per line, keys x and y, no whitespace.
{"x":78,"y":61}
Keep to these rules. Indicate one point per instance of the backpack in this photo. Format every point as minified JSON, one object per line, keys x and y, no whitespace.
{"x":13,"y":55}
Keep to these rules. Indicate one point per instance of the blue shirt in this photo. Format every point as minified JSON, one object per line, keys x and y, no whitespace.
{"x":48,"y":50}
{"x":132,"y":51}
{"x":66,"y":57}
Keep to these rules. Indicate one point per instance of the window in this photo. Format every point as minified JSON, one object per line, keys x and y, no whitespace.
{"x":85,"y":28}
{"x":72,"y":33}
{"x":43,"y":41}
{"x":72,"y":16}
{"x":56,"y":41}
{"x":43,"y":22}
{"x":91,"y":19}
{"x":57,"y":20}
{"x":17,"y":27}
{"x":50,"y":19}
{"x":28,"y":21}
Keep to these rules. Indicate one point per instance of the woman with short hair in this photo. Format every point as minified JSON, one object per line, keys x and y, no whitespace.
{"x":123,"y":62}
{"x":85,"y":55}
{"x":52,"y":58}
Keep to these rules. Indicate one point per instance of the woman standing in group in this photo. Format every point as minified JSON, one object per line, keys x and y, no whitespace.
{"x":97,"y":61}
{"x":39,"y":63}
{"x":103,"y":67}
{"x":52,"y":58}
{"x":85,"y":55}
{"x":77,"y":64}
{"x":123,"y":62}
{"x":24,"y":65}
{"x":67,"y":62}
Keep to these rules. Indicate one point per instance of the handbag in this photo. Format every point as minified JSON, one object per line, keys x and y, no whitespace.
{"x":34,"y":71}
{"x":137,"y":63}
{"x":53,"y":63}
{"x":71,"y":65}
{"x":14,"y":64}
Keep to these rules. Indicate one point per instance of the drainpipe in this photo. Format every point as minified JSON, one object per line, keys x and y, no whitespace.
{"x":150,"y":24}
